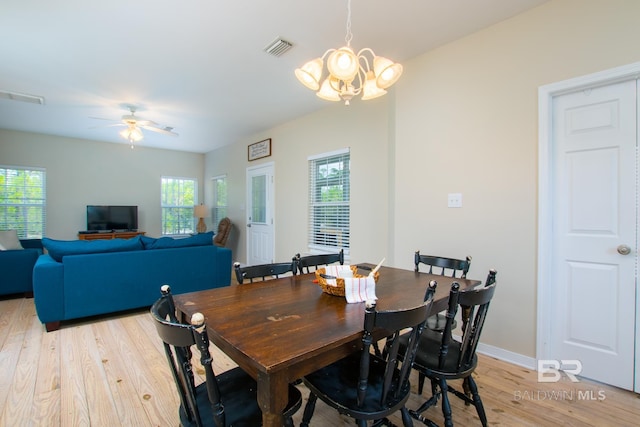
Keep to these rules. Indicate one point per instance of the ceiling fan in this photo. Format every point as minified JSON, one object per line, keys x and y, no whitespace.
{"x":134,"y":125}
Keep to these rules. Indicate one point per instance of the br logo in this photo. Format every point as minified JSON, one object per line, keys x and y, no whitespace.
{"x":549,"y":370}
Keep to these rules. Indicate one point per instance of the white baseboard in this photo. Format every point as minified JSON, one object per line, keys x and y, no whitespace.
{"x":506,"y":355}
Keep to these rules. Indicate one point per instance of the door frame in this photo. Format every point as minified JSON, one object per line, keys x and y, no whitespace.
{"x":271,"y":201}
{"x":545,"y":197}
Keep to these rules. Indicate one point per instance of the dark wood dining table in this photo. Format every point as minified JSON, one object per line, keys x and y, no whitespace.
{"x":282,"y":329}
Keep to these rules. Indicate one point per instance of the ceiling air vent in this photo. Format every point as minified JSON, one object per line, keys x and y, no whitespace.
{"x":22,"y":97}
{"x":278,"y":47}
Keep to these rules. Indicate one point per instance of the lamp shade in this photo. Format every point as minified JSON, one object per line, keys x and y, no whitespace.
{"x":309,"y":74}
{"x":200,"y":211}
{"x":327,"y":92}
{"x":370,"y":89}
{"x":387,"y":72}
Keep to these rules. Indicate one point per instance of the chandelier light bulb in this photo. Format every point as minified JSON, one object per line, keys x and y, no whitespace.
{"x":343,"y":64}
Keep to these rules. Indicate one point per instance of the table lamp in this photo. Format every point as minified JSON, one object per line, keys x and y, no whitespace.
{"x":200,"y":211}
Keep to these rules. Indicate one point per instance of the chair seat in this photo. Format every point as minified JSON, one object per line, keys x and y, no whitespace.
{"x":239,"y":393}
{"x":336,"y":386}
{"x":437,"y":322}
{"x":428,"y":355}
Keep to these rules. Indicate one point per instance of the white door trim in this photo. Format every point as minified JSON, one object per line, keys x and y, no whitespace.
{"x":545,"y":190}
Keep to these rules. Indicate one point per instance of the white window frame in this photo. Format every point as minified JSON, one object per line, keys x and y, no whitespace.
{"x":184,"y":205}
{"x":26,"y":214}
{"x":220,"y":204}
{"x":329,"y":234}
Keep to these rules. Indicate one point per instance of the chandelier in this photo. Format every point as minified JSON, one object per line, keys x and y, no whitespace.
{"x":349,"y":74}
{"x":132,"y":134}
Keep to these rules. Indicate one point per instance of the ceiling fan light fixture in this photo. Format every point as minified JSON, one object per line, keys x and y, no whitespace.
{"x":134,"y":126}
{"x":132,"y":134}
{"x":349,"y":74}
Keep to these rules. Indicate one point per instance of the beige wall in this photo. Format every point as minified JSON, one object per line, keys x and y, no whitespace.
{"x":473,"y":106}
{"x":463,"y":118}
{"x":363,"y":128}
{"x":81,"y":173}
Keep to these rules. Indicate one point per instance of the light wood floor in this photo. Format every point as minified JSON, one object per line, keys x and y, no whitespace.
{"x":111,"y":371}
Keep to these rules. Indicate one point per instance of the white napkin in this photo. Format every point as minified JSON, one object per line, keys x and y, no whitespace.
{"x":337,"y":271}
{"x":360,"y":289}
{"x":355,"y":289}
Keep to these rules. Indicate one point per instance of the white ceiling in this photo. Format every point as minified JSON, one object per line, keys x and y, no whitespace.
{"x":199,"y":66}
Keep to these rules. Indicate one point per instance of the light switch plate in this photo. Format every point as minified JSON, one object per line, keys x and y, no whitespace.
{"x":454,"y":200}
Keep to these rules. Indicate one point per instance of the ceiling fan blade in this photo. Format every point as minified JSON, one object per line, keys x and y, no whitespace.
{"x":146,"y":123}
{"x":102,"y":118}
{"x":107,"y":126}
{"x":165,"y":131}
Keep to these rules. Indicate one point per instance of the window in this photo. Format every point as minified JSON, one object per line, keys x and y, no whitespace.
{"x":179,"y":195}
{"x":23,"y":201}
{"x":329,"y":201}
{"x":219,"y":199}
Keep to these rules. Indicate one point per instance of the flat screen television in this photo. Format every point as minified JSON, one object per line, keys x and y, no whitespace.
{"x":101,"y":218}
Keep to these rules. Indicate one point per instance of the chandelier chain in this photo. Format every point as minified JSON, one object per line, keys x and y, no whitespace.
{"x":349,"y":35}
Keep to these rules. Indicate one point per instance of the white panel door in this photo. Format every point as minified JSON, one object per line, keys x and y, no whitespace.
{"x":594,"y":220}
{"x":260,"y":236}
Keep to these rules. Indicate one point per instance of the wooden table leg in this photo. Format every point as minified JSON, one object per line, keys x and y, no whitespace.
{"x":273,"y":395}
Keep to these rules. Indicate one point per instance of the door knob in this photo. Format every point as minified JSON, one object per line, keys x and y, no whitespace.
{"x":624,"y":250}
{"x":249,"y":225}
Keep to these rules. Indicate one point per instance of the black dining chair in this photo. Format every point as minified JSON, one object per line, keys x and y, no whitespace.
{"x":367,"y":387}
{"x":310,"y":263}
{"x":441,"y":358}
{"x":226,"y":399}
{"x":264,"y":271}
{"x":442,"y":266}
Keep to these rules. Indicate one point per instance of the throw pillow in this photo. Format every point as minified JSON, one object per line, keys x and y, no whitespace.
{"x":58,"y":249}
{"x":9,"y":240}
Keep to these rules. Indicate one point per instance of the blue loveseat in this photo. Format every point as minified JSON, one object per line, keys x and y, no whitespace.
{"x":76,"y":279}
{"x":16,"y":268}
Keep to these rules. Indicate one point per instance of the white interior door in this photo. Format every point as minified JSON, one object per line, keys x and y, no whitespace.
{"x":593,"y":277}
{"x":260,"y":235}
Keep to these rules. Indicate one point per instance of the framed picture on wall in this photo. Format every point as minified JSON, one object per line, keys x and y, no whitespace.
{"x":260,"y":149}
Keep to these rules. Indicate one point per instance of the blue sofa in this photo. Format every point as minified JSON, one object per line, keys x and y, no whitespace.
{"x":80,"y":278}
{"x":16,"y":267}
